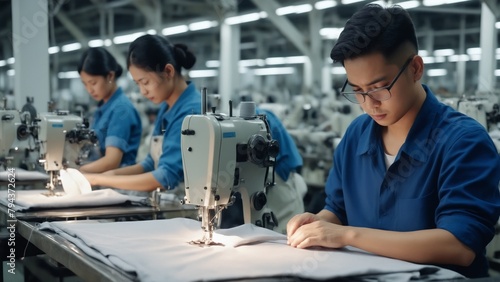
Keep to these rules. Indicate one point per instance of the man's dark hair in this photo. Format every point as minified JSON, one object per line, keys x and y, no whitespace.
{"x":375,"y":29}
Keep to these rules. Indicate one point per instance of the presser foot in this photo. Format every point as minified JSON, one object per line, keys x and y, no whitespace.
{"x":205,"y":243}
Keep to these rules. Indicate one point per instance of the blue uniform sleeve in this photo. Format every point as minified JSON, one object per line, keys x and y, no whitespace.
{"x":120,"y":126}
{"x":333,"y":188}
{"x":148,"y":164}
{"x":469,"y":197}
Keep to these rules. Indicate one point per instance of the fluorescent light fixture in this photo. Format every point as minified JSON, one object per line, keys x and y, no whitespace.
{"x":429,"y":60}
{"x":275,"y":61}
{"x":459,"y":58}
{"x":345,"y":2}
{"x":175,"y":29}
{"x":444,"y":52}
{"x":263,"y":15}
{"x":274,"y":71}
{"x":423,"y":53}
{"x":498,"y":57}
{"x":96,"y":43}
{"x":243,"y":18}
{"x":3,"y":63}
{"x":497,"y":25}
{"x":298,"y":9}
{"x":409,"y":4}
{"x":11,"y":72}
{"x":498,"y":50}
{"x":475,"y":57}
{"x":71,"y":47}
{"x":53,"y":49}
{"x":11,"y":60}
{"x":107,"y":42}
{"x":151,"y":31}
{"x":441,"y":2}
{"x":296,"y":59}
{"x":497,"y":72}
{"x":202,"y":25}
{"x":120,"y":39}
{"x":331,"y":32}
{"x":243,"y":70}
{"x":437,"y":72}
{"x":252,"y":63}
{"x":68,"y":75}
{"x":439,"y":59}
{"x":474,"y":51}
{"x":321,"y":5}
{"x":203,"y":73}
{"x":212,"y":64}
{"x":338,"y":70}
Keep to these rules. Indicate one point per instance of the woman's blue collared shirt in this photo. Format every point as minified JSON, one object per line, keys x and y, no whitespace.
{"x":117,"y":124}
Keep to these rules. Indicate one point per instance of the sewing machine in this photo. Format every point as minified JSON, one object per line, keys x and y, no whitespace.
{"x":223,"y":155}
{"x":57,"y":131}
{"x":15,"y":134}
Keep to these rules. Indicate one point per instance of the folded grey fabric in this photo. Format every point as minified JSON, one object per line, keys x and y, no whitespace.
{"x":31,"y":199}
{"x":159,"y":250}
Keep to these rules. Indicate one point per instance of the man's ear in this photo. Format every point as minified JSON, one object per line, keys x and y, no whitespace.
{"x":417,"y":68}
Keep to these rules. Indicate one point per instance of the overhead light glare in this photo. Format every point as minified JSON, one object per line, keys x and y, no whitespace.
{"x":331,"y":32}
{"x":444,"y":52}
{"x":274,"y":71}
{"x":297,"y":9}
{"x":409,"y":4}
{"x":203,"y":73}
{"x":71,"y":47}
{"x":175,"y":30}
{"x":243,"y":18}
{"x":212,"y":64}
{"x":202,"y":25}
{"x":120,"y":39}
{"x":68,"y":75}
{"x":53,"y":49}
{"x":338,"y":70}
{"x":321,"y":5}
{"x":437,"y":72}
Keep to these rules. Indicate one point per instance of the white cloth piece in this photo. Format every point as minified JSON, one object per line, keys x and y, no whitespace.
{"x":20,"y":174}
{"x":28,"y":199}
{"x":158,"y":250}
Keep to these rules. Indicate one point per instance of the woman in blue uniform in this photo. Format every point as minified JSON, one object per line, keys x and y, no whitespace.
{"x":116,"y":122}
{"x":155,"y":65}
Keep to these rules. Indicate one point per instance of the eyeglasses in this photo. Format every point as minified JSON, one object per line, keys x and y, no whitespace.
{"x":378,"y":94}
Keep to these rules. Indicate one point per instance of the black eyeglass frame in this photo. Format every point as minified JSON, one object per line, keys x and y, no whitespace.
{"x":368,"y":93}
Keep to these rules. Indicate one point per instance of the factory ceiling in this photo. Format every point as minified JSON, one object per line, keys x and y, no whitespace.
{"x":82,"y":21}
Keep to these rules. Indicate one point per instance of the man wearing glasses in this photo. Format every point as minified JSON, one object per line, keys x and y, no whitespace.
{"x":412,"y":178}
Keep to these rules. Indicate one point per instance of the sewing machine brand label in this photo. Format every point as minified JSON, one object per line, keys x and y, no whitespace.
{"x":230,"y":134}
{"x":57,"y":125}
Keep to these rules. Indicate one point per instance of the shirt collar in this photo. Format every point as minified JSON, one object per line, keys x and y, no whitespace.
{"x":419,"y":132}
{"x":115,"y":96}
{"x":185,"y":96}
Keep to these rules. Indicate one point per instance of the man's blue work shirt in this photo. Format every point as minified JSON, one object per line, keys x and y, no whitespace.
{"x":445,"y":176}
{"x":170,"y":172}
{"x":288,"y":159}
{"x":117,"y":124}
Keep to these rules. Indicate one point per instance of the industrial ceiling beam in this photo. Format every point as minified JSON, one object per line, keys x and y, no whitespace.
{"x":283,"y":24}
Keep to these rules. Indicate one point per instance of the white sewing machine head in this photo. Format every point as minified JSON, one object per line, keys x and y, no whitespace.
{"x":55,"y":131}
{"x":9,"y":122}
{"x":222,"y":155}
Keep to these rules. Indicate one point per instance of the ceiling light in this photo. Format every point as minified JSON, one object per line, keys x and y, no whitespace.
{"x":320,"y":5}
{"x":497,"y":25}
{"x":243,"y":18}
{"x":474,"y":51}
{"x":409,"y":4}
{"x":439,"y":59}
{"x":11,"y":60}
{"x":298,"y":9}
{"x":151,"y":31}
{"x":212,"y":64}
{"x":437,"y":72}
{"x":345,"y":2}
{"x":497,"y":72}
{"x":175,"y":30}
{"x":96,"y":43}
{"x":11,"y":72}
{"x":3,"y":63}
{"x":331,"y":32}
{"x":120,"y":39}
{"x":202,"y":25}
{"x":429,"y":60}
{"x":338,"y":70}
{"x":475,"y":57}
{"x":423,"y":53}
{"x":203,"y":73}
{"x":459,"y":58}
{"x":252,"y":63}
{"x":71,"y":47}
{"x":444,"y":52}
{"x":441,"y":2}
{"x":68,"y":75}
{"x":53,"y":49}
{"x":275,"y":61}
{"x":274,"y":71}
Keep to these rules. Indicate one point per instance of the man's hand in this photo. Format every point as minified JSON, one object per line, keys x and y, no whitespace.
{"x":319,"y":233}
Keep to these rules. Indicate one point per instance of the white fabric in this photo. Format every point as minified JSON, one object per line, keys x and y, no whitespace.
{"x":22,"y":175}
{"x":389,"y":160}
{"x":27,"y":199}
{"x":159,"y":251}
